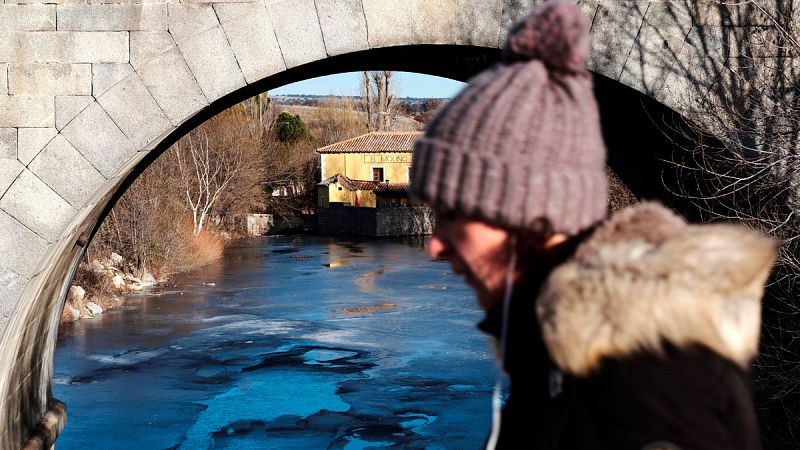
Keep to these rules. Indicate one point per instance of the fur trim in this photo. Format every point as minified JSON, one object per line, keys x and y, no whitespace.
{"x":645,"y":277}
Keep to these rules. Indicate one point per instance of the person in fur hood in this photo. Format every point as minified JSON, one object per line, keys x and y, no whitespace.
{"x":633,"y":332}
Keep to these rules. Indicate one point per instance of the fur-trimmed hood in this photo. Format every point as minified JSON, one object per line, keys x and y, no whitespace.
{"x":646,"y":277}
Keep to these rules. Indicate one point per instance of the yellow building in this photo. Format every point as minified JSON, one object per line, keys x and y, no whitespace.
{"x":368,"y":170}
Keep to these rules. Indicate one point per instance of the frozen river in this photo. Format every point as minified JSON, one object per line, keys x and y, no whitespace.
{"x":277,"y":346}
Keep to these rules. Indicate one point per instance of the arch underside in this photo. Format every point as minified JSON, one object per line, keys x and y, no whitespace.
{"x":120,"y":131}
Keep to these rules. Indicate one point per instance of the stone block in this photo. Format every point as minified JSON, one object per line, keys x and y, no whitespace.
{"x":614,"y":31}
{"x":20,"y":248}
{"x":163,"y":70}
{"x":8,"y":143}
{"x":686,"y":90}
{"x":190,"y":19}
{"x":478,"y":22}
{"x":652,"y":58}
{"x":400,"y":22}
{"x":97,"y":137}
{"x":9,"y":171}
{"x":31,"y":141}
{"x":724,"y":43}
{"x":513,"y":11}
{"x":146,"y":46}
{"x":64,"y":47}
{"x":50,"y":79}
{"x":298,"y":30}
{"x":112,"y":17}
{"x":136,"y":113}
{"x":28,"y":17}
{"x":728,"y":13}
{"x":3,"y":79}
{"x":30,"y":201}
{"x":250,"y":34}
{"x":212,"y":62}
{"x":67,"y":107}
{"x":75,"y":185}
{"x":104,"y":76}
{"x":26,"y":111}
{"x":672,"y":21}
{"x":344,"y":26}
{"x":11,"y":286}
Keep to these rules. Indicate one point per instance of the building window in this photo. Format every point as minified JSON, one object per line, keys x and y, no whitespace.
{"x":408,"y":175}
{"x":377,"y":174}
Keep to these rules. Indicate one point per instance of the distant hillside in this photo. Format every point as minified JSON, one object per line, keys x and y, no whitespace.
{"x":310,"y":114}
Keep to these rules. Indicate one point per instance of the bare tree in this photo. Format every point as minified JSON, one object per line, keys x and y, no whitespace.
{"x":205,"y":172}
{"x":378,"y":100}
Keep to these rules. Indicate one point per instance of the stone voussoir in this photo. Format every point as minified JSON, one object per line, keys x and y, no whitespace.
{"x":34,"y":204}
{"x":69,"y":106}
{"x":161,"y":66}
{"x":478,"y":22}
{"x":187,"y":20}
{"x":11,"y":286}
{"x":136,"y":113}
{"x":99,"y":139}
{"x":395,"y":22}
{"x":75,"y":185}
{"x":298,"y":29}
{"x":9,"y":171}
{"x":252,"y":39}
{"x":613,"y":38}
{"x":105,"y":76}
{"x":113,"y":17}
{"x":31,"y":141}
{"x":344,"y":26}
{"x":50,"y":79}
{"x":20,"y":248}
{"x":212,"y":62}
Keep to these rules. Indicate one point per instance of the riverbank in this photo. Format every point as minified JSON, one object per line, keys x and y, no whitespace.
{"x":101,"y":284}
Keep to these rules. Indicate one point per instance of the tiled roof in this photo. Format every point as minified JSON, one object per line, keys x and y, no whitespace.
{"x":376,"y":142}
{"x":392,"y":187}
{"x":364,"y":185}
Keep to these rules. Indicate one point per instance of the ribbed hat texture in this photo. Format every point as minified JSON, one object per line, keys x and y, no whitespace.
{"x":522,"y":140}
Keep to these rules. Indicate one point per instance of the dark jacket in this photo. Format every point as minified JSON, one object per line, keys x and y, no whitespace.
{"x":643,"y":339}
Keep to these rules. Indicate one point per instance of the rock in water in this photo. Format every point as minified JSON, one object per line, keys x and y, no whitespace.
{"x":94,"y":308}
{"x":148,"y":279}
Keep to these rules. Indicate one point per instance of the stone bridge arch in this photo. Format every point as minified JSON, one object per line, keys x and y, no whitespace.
{"x":90,"y":94}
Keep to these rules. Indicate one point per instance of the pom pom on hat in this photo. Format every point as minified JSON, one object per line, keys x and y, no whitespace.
{"x":556,"y":33}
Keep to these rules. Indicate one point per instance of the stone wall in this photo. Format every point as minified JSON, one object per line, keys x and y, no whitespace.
{"x":374,"y":222}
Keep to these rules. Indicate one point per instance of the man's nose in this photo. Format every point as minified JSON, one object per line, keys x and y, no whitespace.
{"x":436,"y":248}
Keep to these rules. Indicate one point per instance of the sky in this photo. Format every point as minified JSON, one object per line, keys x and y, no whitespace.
{"x":408,"y":84}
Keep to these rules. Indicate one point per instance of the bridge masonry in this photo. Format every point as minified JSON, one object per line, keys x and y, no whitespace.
{"x":88,"y":90}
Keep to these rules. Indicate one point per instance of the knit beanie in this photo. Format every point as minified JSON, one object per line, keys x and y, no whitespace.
{"x":522,"y":140}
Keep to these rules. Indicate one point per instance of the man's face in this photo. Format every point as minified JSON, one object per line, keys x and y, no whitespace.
{"x":475,"y":249}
